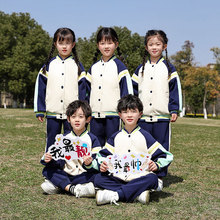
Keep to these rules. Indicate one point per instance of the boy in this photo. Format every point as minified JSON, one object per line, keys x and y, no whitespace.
{"x":70,"y":176}
{"x":130,"y":139}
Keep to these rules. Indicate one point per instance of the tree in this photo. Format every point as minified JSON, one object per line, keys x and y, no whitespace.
{"x":203,"y":85}
{"x":216,"y":53}
{"x":183,"y":60}
{"x":86,"y":49}
{"x":23,"y":52}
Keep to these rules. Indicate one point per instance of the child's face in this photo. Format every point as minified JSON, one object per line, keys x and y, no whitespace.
{"x":130,"y":117}
{"x":155,"y":47}
{"x":78,"y":121}
{"x":107,"y":48}
{"x":64,"y":47}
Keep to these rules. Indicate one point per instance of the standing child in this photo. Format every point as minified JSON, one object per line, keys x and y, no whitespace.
{"x":157,"y":84}
{"x":109,"y":80}
{"x":71,"y":176}
{"x":60,"y":81}
{"x":130,"y":139}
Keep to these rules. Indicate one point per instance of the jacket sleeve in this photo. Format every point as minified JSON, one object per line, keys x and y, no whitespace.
{"x":125,"y":83}
{"x":107,"y":150}
{"x":135,"y":80}
{"x":88,"y":84}
{"x":124,"y":77}
{"x":82,"y":84}
{"x":96,"y":147}
{"x":175,"y":94}
{"x":54,"y":163}
{"x":158,"y":153}
{"x":40,"y":94}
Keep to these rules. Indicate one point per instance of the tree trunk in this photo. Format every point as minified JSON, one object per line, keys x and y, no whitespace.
{"x":24,"y":103}
{"x":182,"y":114}
{"x":5,"y":105}
{"x":204,"y":105}
{"x":14,"y":104}
{"x":205,"y":113}
{"x":213,"y":110}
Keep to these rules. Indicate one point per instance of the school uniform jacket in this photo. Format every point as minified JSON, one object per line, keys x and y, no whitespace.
{"x":138,"y":141}
{"x":108,"y":82}
{"x":59,"y":87}
{"x":76,"y":167}
{"x":161,"y":94}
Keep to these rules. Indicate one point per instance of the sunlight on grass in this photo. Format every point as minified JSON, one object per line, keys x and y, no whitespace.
{"x":191,"y":189}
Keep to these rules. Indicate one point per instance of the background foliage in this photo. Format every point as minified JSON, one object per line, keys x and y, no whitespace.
{"x":25,"y":46}
{"x":23,"y":49}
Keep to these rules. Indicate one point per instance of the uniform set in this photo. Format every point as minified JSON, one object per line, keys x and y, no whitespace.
{"x":115,"y":113}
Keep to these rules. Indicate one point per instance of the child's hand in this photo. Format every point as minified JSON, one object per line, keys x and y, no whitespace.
{"x":152,"y":166}
{"x":47,"y":157}
{"x":40,"y":118}
{"x":87,"y":160}
{"x":174,"y":117}
{"x":104,"y":166}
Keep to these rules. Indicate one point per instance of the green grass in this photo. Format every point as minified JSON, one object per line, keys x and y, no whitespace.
{"x":192,"y":188}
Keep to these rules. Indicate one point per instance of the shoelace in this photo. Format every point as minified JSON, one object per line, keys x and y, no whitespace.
{"x":77,"y":191}
{"x":160,"y":185}
{"x":113,"y":200}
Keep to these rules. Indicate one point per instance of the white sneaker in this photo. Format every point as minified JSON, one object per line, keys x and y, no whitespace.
{"x":106,"y":196}
{"x":144,"y":197}
{"x":49,"y":188}
{"x":84,"y":190}
{"x":160,"y":185}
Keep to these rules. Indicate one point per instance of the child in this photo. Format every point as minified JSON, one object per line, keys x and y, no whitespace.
{"x":133,"y":139}
{"x":70,"y":176}
{"x":109,"y":80}
{"x":60,"y":81}
{"x":157,"y":84}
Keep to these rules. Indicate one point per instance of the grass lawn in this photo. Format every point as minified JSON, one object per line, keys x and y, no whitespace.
{"x":191,"y":190}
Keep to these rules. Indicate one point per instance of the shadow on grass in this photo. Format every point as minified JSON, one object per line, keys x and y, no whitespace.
{"x":156,"y":196}
{"x":170,"y":179}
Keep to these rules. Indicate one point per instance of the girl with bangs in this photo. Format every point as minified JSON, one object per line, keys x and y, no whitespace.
{"x":60,"y":81}
{"x":157,"y":84}
{"x":108,"y":81}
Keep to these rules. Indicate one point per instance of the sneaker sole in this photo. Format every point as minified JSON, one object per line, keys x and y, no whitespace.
{"x":96,"y":197}
{"x":98,"y":203}
{"x":49,"y":192}
{"x":148,"y":197}
{"x":92,"y":193}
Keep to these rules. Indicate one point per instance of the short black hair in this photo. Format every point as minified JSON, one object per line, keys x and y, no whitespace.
{"x":129,"y":102}
{"x":73,"y":106}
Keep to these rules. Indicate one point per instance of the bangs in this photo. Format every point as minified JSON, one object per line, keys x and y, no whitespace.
{"x":64,"y":36}
{"x":108,"y":37}
{"x":155,"y":35}
{"x":107,"y":34}
{"x":130,"y":105}
{"x":129,"y":102}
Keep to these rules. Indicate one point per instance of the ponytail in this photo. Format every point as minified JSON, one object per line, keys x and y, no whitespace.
{"x":168,"y":63}
{"x":96,"y":55}
{"x":146,"y":54}
{"x":76,"y":60}
{"x":48,"y":59}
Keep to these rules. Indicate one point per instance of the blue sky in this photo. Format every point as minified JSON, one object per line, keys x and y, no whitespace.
{"x":194,"y":20}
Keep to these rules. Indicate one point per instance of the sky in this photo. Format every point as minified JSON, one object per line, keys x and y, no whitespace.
{"x":195,"y":20}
